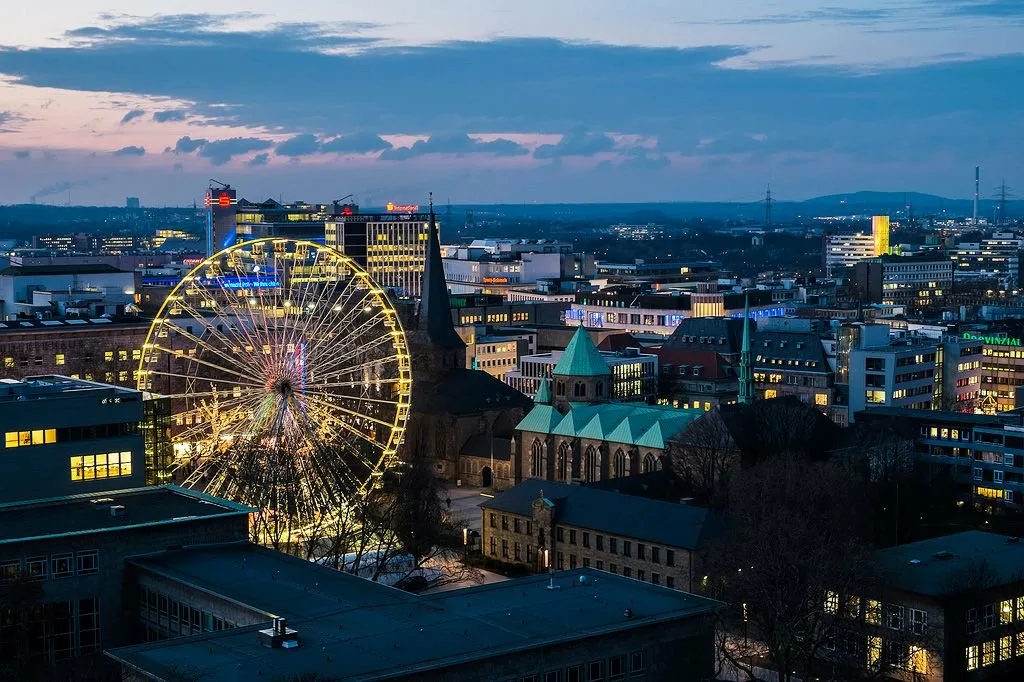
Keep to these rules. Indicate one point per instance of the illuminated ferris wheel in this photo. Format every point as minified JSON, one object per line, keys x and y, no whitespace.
{"x":288,"y":374}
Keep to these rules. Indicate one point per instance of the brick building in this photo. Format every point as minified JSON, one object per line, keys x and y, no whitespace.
{"x":538,"y":524}
{"x":98,"y":349}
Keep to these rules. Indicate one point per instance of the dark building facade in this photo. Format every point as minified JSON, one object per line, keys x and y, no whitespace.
{"x":573,"y":625}
{"x":64,"y":563}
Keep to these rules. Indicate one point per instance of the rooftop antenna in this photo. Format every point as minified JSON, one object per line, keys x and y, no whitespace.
{"x":223,"y":185}
{"x":768,"y":202}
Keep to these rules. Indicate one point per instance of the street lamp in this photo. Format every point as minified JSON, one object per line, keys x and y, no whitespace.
{"x":465,"y":541}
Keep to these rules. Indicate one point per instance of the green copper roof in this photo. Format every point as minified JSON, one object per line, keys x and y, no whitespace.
{"x":541,"y":419}
{"x":637,"y":424}
{"x":543,"y":396}
{"x":581,"y":357}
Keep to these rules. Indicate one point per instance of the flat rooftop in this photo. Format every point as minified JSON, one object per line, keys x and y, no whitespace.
{"x":273,"y":582}
{"x":49,"y":386}
{"x":375,"y":632}
{"x":90,"y":514}
{"x":951,"y":563}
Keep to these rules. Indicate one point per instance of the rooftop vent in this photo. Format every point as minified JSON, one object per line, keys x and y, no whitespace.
{"x":279,"y":635}
{"x":915,"y":562}
{"x":117,"y":510}
{"x":943,"y":555}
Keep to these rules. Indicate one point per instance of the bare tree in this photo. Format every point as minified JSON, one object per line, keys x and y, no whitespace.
{"x":704,"y":455}
{"x":792,"y":540}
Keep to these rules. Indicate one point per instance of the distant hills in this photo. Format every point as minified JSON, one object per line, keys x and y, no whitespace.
{"x":852,"y":203}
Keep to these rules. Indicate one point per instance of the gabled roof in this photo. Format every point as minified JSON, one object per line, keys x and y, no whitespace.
{"x":541,"y":419}
{"x":466,"y":391}
{"x":712,"y":365}
{"x":637,"y":424}
{"x":641,"y":518}
{"x":720,"y":334}
{"x":799,"y":347}
{"x":581,"y":357}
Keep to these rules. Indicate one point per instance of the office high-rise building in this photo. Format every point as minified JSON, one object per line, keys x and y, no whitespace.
{"x":391,"y":246}
{"x":846,"y":250}
{"x":221,"y":226}
{"x":880,"y":233}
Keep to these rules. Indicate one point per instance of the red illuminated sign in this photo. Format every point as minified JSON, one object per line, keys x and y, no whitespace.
{"x":222,"y":200}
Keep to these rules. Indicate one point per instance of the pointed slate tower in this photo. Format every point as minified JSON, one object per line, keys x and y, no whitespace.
{"x":746,"y":392}
{"x":436,"y":346}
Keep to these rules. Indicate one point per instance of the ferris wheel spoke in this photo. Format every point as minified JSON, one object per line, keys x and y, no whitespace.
{"x":200,"y":361}
{"x":218,"y":300}
{"x":236,"y":360}
{"x":352,"y":413}
{"x":349,"y":301}
{"x":340,"y":349}
{"x":229,"y":382}
{"x":379,"y":364}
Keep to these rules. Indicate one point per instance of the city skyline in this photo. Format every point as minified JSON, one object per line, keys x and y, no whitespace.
{"x":519,"y":102}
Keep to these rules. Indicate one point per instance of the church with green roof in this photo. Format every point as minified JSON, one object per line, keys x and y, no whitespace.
{"x":575,"y":432}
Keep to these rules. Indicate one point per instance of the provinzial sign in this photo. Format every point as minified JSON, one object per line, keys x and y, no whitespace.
{"x":992,"y":340}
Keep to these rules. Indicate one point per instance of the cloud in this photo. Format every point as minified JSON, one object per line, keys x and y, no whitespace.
{"x":300,"y":145}
{"x":132,"y":115}
{"x":9,"y":121}
{"x":186,"y":145}
{"x":258,"y":160}
{"x":168,"y":116}
{"x":356,"y":143}
{"x":56,"y":188}
{"x":23,"y":154}
{"x":458,"y":144}
{"x":177,"y":168}
{"x":219,"y":152}
{"x":577,"y":143}
{"x":640,"y":158}
{"x":130,"y":151}
{"x":996,"y":9}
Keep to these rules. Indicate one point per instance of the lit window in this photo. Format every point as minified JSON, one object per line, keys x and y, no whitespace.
{"x":918,"y":660}
{"x":11,"y":439}
{"x":874,"y":650}
{"x":771,"y":393}
{"x":109,"y":465}
{"x":58,"y":359}
{"x":108,"y":356}
{"x":831,"y":602}
{"x":988,"y":653}
{"x":972,"y":658}
{"x":873,"y":611}
{"x":821,"y":399}
{"x":8,"y":363}
{"x":1006,"y":612}
{"x":1005,"y":648}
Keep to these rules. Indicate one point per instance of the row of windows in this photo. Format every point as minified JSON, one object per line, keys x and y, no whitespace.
{"x":60,"y":359}
{"x":995,"y":651}
{"x":108,"y":465}
{"x":893,"y":616}
{"x":54,"y":566}
{"x":998,"y":613}
{"x":16,"y":439}
{"x":163,"y":617}
{"x":51,"y":632}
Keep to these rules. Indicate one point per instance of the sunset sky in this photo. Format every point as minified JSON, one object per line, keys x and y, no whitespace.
{"x":532,"y":100}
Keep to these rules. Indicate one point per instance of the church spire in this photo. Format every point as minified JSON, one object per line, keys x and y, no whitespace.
{"x":746,"y":392}
{"x":435,"y":311}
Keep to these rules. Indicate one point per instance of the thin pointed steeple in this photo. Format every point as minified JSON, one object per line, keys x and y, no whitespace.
{"x":746,"y":392}
{"x":435,"y":312}
{"x":543,"y":396}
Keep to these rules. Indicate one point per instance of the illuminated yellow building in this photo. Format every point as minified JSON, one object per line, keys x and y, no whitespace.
{"x":880,"y":233}
{"x":391,"y":247}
